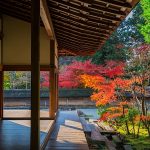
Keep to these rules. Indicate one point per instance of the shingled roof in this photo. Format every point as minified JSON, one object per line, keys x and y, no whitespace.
{"x":81,"y":26}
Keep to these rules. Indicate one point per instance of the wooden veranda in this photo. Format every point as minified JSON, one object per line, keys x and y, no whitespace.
{"x":34,"y":33}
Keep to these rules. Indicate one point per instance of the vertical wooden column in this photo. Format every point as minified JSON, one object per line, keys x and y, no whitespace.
{"x":1,"y":93}
{"x":57,"y":102}
{"x":52,"y":80}
{"x":1,"y":67}
{"x":35,"y":75}
{"x":57,"y":79}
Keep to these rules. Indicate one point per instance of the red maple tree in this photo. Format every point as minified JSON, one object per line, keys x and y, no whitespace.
{"x":70,"y":76}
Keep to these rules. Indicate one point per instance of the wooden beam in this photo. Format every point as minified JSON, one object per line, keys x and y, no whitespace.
{"x":16,"y":67}
{"x":115,"y":3}
{"x":88,"y":24}
{"x":92,"y":6}
{"x":122,"y":3}
{"x":21,"y":9}
{"x":133,"y":3}
{"x":54,"y":9}
{"x":21,"y":3}
{"x":70,"y":41}
{"x":69,"y":52}
{"x":102,"y":16}
{"x":76,"y":31}
{"x":76,"y":50}
{"x":60,"y":32}
{"x":24,"y":68}
{"x":78,"y":27}
{"x":68,"y":49}
{"x":77,"y":46}
{"x":107,"y":10}
{"x":89,"y":11}
{"x":76,"y":39}
{"x":45,"y":16}
{"x":35,"y":75}
{"x":16,"y":14}
{"x":22,"y":15}
{"x":64,"y":40}
{"x":52,"y":80}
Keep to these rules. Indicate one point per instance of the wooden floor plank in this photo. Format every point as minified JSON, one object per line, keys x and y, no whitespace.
{"x":15,"y":135}
{"x":68,"y":133}
{"x":22,"y":113}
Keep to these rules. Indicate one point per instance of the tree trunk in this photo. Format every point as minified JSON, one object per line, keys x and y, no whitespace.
{"x":148,"y":131}
{"x":126,"y":123}
{"x":133,"y":128}
{"x":143,"y":107}
{"x":127,"y":128}
{"x":138,"y":129}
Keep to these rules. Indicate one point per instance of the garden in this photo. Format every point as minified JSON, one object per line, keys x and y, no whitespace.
{"x":118,"y":74}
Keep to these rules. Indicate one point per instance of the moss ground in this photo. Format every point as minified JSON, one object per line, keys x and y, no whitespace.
{"x":141,"y":143}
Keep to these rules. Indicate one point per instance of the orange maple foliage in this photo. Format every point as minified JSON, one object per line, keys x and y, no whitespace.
{"x":142,"y":118}
{"x":145,"y":118}
{"x":109,"y":114}
{"x":125,"y":103}
{"x":122,"y":83}
{"x":104,"y":89}
{"x":114,"y":112}
{"x":114,"y":109}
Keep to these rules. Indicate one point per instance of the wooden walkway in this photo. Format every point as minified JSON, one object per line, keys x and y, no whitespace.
{"x":68,"y":133}
{"x":15,"y":134}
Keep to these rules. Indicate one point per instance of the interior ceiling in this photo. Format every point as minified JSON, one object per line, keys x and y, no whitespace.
{"x":81,"y":26}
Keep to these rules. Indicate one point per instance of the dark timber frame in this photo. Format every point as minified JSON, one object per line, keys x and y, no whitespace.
{"x":52,"y":80}
{"x":22,"y":68}
{"x":86,"y":19}
{"x":35,"y":75}
{"x":1,"y":94}
{"x":95,"y":20}
{"x":1,"y":68}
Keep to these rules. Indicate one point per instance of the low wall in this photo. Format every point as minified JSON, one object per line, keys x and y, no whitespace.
{"x":63,"y":93}
{"x":67,"y":97}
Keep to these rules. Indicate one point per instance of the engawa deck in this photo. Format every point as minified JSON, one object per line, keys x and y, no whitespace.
{"x":15,"y":134}
{"x":68,"y":133}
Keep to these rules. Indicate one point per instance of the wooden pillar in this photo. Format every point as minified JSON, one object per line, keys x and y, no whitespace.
{"x":1,"y":67}
{"x":1,"y":93}
{"x":57,"y":102}
{"x":35,"y":75}
{"x":52,"y":80}
{"x":56,"y":83}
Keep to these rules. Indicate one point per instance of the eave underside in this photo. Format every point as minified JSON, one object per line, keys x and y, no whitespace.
{"x":81,"y":26}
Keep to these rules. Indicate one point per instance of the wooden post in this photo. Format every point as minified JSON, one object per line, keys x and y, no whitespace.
{"x":52,"y":80}
{"x":56,"y":80}
{"x":1,"y":93}
{"x":35,"y":75}
{"x":57,"y":102}
{"x":1,"y":67}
